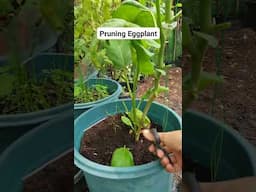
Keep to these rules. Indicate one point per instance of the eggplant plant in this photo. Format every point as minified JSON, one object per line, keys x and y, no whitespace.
{"x":144,"y":57}
{"x":199,"y":30}
{"x":198,"y":34}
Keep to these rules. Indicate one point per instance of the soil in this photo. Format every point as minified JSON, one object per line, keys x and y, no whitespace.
{"x":172,"y":80}
{"x":100,"y":141}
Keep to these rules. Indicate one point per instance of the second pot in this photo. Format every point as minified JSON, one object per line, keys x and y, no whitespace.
{"x":114,"y":88}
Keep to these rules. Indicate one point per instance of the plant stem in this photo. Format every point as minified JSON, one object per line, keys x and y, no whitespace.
{"x":197,"y":50}
{"x":134,"y":106}
{"x":160,"y":63}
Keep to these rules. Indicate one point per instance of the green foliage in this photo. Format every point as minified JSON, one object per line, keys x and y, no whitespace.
{"x":55,"y":88}
{"x":119,"y":52}
{"x":55,"y":11}
{"x":146,"y":56}
{"x":206,"y":80}
{"x":89,"y":15}
{"x":85,"y":94}
{"x":134,"y":12}
{"x":212,"y":41}
{"x":122,"y":157}
{"x":5,"y":7}
{"x":198,"y":35}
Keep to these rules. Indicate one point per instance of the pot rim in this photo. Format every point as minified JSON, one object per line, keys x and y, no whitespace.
{"x":248,"y":147}
{"x":93,"y":103}
{"x":30,"y":118}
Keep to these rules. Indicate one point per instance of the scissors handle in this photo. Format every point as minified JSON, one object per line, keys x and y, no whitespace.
{"x":158,"y":144}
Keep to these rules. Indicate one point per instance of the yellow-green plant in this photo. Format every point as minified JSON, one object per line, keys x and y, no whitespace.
{"x":145,"y":56}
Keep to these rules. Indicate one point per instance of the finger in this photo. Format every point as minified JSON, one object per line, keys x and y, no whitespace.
{"x":165,"y":161}
{"x":160,"y":154}
{"x":148,"y":135}
{"x":152,"y":148}
{"x":169,"y":168}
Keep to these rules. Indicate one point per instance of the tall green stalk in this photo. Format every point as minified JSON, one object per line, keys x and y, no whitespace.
{"x":197,"y":47}
{"x":160,"y":61}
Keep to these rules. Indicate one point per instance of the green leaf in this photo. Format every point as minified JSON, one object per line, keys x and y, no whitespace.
{"x":152,"y":43}
{"x":126,"y":121}
{"x":212,"y":41}
{"x":144,"y":58}
{"x":206,"y":80}
{"x":135,"y":12}
{"x":118,"y":23}
{"x":122,"y":157}
{"x":163,"y":72}
{"x":118,"y":51}
{"x":162,"y":89}
{"x":139,"y":122}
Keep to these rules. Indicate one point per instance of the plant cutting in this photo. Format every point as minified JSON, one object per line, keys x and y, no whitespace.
{"x":209,"y":151}
{"x":100,"y":139}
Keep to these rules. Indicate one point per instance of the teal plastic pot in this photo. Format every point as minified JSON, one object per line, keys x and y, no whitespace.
{"x":114,"y":88}
{"x":200,"y":135}
{"x":15,"y":125}
{"x":150,"y":177}
{"x":35,"y":149}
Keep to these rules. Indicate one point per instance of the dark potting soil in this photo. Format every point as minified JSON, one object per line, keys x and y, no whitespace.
{"x":55,"y":177}
{"x":100,"y":141}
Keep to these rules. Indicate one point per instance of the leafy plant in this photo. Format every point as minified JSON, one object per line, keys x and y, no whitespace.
{"x":198,"y":35}
{"x":146,"y":57}
{"x":85,"y":94}
{"x":37,"y":94}
{"x":90,"y":14}
{"x":18,"y":95}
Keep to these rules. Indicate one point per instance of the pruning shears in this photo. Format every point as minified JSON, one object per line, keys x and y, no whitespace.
{"x":189,"y":178}
{"x":157,"y":143}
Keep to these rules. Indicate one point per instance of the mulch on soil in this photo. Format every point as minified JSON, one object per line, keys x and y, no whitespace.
{"x":99,"y":142}
{"x":235,"y":102}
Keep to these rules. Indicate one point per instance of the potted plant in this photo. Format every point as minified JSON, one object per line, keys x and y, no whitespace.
{"x":208,"y":144}
{"x":88,"y":90}
{"x":34,"y":92}
{"x":128,"y":116}
{"x":93,"y":92}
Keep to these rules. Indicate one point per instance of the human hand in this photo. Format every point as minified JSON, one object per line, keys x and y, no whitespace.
{"x":172,"y":143}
